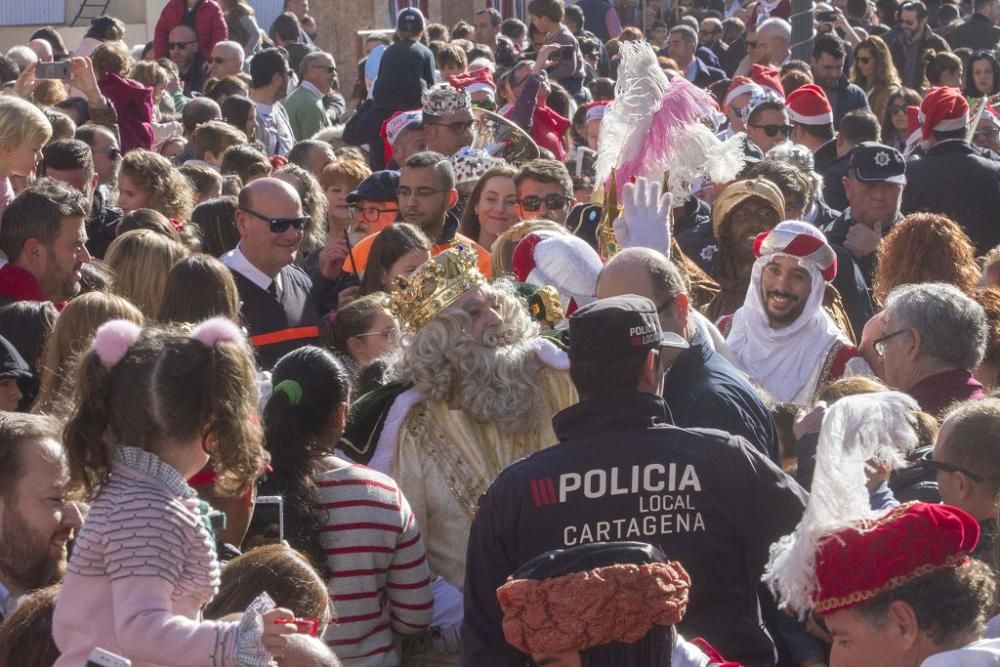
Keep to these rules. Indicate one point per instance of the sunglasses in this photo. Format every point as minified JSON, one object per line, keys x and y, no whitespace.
{"x":332,"y":69}
{"x":551,"y":202}
{"x":951,"y":467}
{"x":774,"y":130}
{"x":458,"y":127}
{"x":278,"y":225}
{"x":897,"y":108}
{"x":172,"y":46}
{"x":863,"y":60}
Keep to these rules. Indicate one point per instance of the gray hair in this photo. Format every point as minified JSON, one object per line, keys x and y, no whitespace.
{"x":690,"y":35}
{"x":310,"y":59}
{"x":952,"y":326}
{"x":22,"y":56}
{"x":234,"y":47}
{"x":776,"y":27}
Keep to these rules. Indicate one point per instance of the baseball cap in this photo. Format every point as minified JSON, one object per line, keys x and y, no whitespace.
{"x":872,"y":162}
{"x":380,"y":186}
{"x":410,"y":19}
{"x":618,"y":328}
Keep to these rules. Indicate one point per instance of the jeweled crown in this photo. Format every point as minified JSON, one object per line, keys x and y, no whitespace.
{"x":435,"y":286}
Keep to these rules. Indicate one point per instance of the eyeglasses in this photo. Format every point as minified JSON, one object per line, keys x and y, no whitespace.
{"x":551,"y":202}
{"x":879,"y":345}
{"x":332,"y":69}
{"x":773,"y":130}
{"x":897,"y":108}
{"x":951,"y":467}
{"x":389,"y":333}
{"x":171,"y":46}
{"x":987,"y":132}
{"x":219,"y":61}
{"x":370,"y":214}
{"x":113,"y":153}
{"x":458,"y":127}
{"x":704,"y":33}
{"x":278,"y":225}
{"x":752,"y":45}
{"x":863,"y":60}
{"x":419,"y":193}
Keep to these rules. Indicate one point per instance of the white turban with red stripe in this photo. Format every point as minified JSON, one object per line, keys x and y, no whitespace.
{"x":802,"y":240}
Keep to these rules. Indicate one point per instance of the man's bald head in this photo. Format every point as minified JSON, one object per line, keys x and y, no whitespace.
{"x":182,"y":46}
{"x":647,"y":273}
{"x":267,"y":192}
{"x":197,"y":111}
{"x":182,"y":33}
{"x":42,"y":49}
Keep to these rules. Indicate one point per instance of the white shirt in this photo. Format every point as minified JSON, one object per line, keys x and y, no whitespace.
{"x":238,"y":262}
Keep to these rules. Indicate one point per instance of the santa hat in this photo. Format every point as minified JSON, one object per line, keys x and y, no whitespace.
{"x":396,"y":124}
{"x":475,"y":81}
{"x":595,"y":110}
{"x":564,"y":262}
{"x":913,"y":130}
{"x":768,"y":78}
{"x":808,"y":105}
{"x":801,"y":240}
{"x":943,"y":110}
{"x":740,"y":85}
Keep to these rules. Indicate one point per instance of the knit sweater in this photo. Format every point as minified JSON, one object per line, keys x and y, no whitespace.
{"x":142,"y":568}
{"x":380,"y":582}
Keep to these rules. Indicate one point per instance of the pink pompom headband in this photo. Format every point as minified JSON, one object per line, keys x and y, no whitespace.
{"x":211,"y":331}
{"x":113,"y":340}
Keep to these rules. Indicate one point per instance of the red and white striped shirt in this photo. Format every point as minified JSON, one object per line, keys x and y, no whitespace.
{"x":380,"y":583}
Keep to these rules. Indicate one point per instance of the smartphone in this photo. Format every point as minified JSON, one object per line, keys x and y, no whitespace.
{"x":828,"y":16}
{"x":101,"y":658}
{"x":52,"y":71}
{"x":566,"y":52}
{"x":268,"y":523}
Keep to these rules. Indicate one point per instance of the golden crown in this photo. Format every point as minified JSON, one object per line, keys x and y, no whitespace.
{"x":435,"y":286}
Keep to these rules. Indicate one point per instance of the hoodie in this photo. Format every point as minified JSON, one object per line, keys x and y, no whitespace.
{"x":133,"y":102}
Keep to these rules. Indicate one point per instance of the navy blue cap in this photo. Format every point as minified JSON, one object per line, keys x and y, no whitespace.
{"x":380,"y":186}
{"x":410,"y":19}
{"x":872,"y":163}
{"x":618,"y":328}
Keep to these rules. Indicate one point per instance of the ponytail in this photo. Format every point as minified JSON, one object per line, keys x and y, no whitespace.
{"x":208,"y":381}
{"x":88,"y":453}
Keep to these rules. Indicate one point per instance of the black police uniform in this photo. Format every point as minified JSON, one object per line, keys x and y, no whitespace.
{"x":621,"y":472}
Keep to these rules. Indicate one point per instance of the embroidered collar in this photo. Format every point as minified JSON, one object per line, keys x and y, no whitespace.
{"x":150,"y":464}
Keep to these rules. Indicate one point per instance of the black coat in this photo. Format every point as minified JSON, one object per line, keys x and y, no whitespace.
{"x":693,"y":231}
{"x":707,"y":499}
{"x":704,"y":390}
{"x":954,"y":180}
{"x":833,"y":182}
{"x":976,"y":32}
{"x":101,"y":226}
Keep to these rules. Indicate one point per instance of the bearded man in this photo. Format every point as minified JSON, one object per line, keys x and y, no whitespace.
{"x":36,"y":518}
{"x":782,"y":337}
{"x":483,"y":388}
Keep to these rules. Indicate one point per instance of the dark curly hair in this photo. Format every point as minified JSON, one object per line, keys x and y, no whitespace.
{"x":945,"y":251}
{"x":948,"y":603}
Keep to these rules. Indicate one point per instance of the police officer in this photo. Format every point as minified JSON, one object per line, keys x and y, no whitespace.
{"x":622,"y":472}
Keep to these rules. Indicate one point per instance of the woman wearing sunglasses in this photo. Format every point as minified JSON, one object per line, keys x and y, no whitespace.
{"x":894,"y":123}
{"x":875,"y":73}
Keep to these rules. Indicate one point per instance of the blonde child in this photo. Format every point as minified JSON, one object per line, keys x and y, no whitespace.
{"x":24,"y":130}
{"x":154,"y":408}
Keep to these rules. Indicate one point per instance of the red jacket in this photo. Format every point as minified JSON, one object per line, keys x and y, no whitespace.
{"x":209,"y":26}
{"x":133,"y":102}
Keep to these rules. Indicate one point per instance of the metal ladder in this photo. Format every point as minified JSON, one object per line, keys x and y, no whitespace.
{"x":90,"y":9}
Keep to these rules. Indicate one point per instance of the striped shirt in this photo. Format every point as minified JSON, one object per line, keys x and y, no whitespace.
{"x":380,"y":582}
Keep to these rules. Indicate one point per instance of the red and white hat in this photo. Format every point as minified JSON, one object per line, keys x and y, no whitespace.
{"x":562,"y":261}
{"x":801,"y":240}
{"x":396,"y":125}
{"x":740,"y":85}
{"x":808,"y":105}
{"x":944,"y":110}
{"x":475,"y":81}
{"x":769,"y":78}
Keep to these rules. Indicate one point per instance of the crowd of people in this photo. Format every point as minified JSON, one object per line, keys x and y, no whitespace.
{"x":555,"y":340}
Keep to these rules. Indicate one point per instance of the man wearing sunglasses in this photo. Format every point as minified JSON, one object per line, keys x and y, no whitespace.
{"x":767,"y":125}
{"x":306,"y":113}
{"x":275,"y":294}
{"x":447,"y":119}
{"x":544,"y":190}
{"x":227,"y":60}
{"x":933,"y":337}
{"x":183,"y":49}
{"x":966,"y":458}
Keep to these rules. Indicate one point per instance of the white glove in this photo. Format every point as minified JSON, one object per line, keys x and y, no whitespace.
{"x":645,"y":218}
